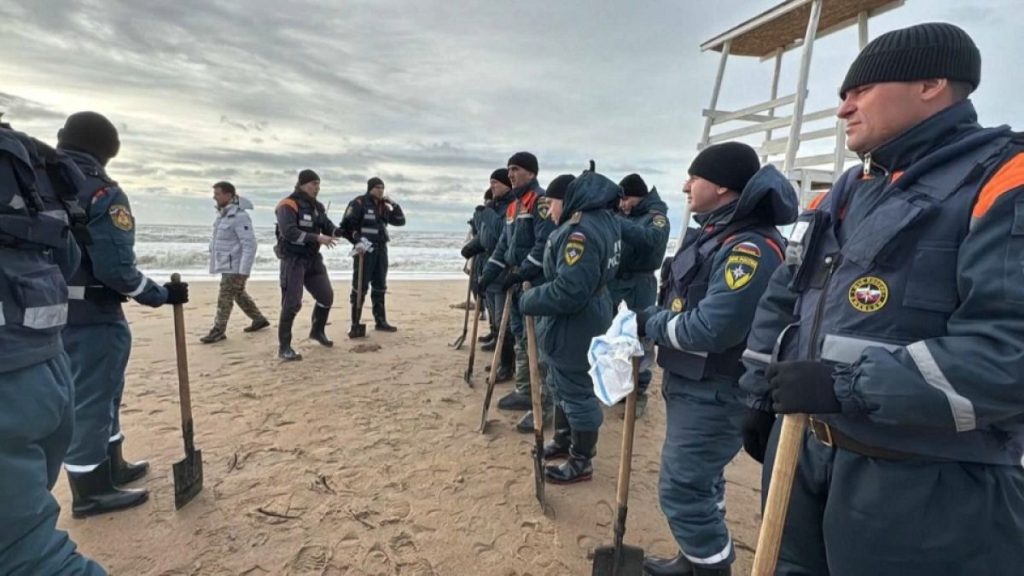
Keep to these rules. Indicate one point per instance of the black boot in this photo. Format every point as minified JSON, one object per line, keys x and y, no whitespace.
{"x":284,"y":339}
{"x":94,"y":493}
{"x":215,"y":335}
{"x":578,"y":468}
{"x":122,"y":471}
{"x":380,"y":316}
{"x":677,"y":566}
{"x":560,"y":442}
{"x":355,"y":331}
{"x":317,"y":333}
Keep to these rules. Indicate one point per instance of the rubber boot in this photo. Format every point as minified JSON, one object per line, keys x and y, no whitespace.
{"x":94,"y":493}
{"x":357,"y":313}
{"x":317,"y":333}
{"x":676,"y":566}
{"x":380,"y":316}
{"x":122,"y":471}
{"x":284,"y":340}
{"x":578,"y":468}
{"x":560,"y":442}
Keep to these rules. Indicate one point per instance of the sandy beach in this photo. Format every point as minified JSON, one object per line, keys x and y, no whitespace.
{"x":358,"y":461}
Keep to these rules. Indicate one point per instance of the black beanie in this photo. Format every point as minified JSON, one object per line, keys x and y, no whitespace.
{"x":932,"y":50}
{"x":729,"y":164}
{"x":307,"y":176}
{"x":91,"y":133}
{"x":524,"y":160}
{"x":373,"y":182}
{"x":557,"y":188}
{"x":634,"y":185}
{"x":501,"y":175}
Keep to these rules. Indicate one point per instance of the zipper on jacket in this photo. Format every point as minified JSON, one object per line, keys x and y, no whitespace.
{"x":833,"y":263}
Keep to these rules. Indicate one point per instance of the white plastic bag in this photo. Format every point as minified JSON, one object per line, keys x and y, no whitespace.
{"x":363,"y":243}
{"x":610,"y":357}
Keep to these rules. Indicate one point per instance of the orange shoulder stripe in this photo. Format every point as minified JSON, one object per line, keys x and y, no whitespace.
{"x":816,"y":201}
{"x":1009,"y":177}
{"x":529,"y":199}
{"x":289,"y":203}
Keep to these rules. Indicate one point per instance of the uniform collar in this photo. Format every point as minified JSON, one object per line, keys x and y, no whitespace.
{"x":928,"y":135}
{"x":522,"y":190}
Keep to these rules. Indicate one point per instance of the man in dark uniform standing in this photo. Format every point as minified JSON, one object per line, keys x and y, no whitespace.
{"x":573,"y":306}
{"x":645,"y":232}
{"x":907,"y":281}
{"x":365,"y":225}
{"x":37,"y":256}
{"x":713,"y":285}
{"x":302,"y":228}
{"x":106,"y":278}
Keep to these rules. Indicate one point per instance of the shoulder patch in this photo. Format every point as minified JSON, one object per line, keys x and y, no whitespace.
{"x":573,"y":251}
{"x":543,"y":208}
{"x":740,"y":269}
{"x":659,"y":221}
{"x":348,"y":211}
{"x":121,"y":216}
{"x":577,"y":217}
{"x":577,"y":237}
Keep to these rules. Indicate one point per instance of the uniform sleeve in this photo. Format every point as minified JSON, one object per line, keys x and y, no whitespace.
{"x":775,"y":311}
{"x":112,"y":227}
{"x":395,"y":215}
{"x":287,"y":214}
{"x":649,"y":237}
{"x":533,"y":266}
{"x":496,"y":263}
{"x":247,"y":239}
{"x":722,"y":318}
{"x":971,"y":378}
{"x":350,"y":222}
{"x":577,"y":276}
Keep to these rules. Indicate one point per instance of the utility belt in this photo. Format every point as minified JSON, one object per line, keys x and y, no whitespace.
{"x":96,"y":294}
{"x":832,"y":437}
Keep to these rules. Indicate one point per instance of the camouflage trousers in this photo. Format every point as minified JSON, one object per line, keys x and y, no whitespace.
{"x":232,"y":290}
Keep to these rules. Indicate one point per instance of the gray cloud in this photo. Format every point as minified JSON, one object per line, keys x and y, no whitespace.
{"x":429,"y":96}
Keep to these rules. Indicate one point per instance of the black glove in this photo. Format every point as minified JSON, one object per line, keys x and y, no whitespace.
{"x":488,"y":276}
{"x":802,"y":386}
{"x":472,"y":248}
{"x":757,"y":427}
{"x":177,"y":293}
{"x":514,"y":278}
{"x":642,"y":317}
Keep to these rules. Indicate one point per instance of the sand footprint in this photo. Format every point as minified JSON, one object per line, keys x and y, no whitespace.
{"x":377,"y":562}
{"x":311,"y":559}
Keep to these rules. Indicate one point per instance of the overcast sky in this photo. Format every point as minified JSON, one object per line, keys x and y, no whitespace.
{"x":428,"y":95}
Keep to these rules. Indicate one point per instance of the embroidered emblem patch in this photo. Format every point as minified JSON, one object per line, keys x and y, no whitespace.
{"x":121,"y":216}
{"x":869,"y":294}
{"x":677,"y":305}
{"x":659,"y":221}
{"x":748,"y":248}
{"x":573,"y":251}
{"x":543,"y":208}
{"x":348,"y":211}
{"x":739,"y":270}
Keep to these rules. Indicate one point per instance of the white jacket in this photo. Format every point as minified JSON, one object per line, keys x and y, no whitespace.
{"x":233,"y":246}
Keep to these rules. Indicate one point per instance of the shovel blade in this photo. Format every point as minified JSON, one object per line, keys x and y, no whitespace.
{"x":358,"y":331}
{"x":631,"y":561}
{"x":458,"y":342}
{"x":188,"y":478}
{"x":538,"y":477}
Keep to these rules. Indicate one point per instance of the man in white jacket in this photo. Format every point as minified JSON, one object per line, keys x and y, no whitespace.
{"x":232,"y":252}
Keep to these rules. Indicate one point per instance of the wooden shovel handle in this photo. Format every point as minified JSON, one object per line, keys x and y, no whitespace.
{"x":628,"y":427}
{"x":181,"y":351}
{"x":787,"y":456}
{"x":531,"y":348}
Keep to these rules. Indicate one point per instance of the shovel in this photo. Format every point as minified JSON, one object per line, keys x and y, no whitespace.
{"x":188,"y":473}
{"x":620,"y":559}
{"x":472,"y":349}
{"x":493,"y":376}
{"x":358,"y":329}
{"x":465,"y":320}
{"x":538,"y":414}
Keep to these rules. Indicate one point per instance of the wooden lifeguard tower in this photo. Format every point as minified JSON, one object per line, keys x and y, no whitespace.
{"x":790,"y":25}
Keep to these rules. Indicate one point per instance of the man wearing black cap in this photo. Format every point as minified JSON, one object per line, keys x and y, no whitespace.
{"x":302,"y":228}
{"x":645,"y":231}
{"x":711,"y":290}
{"x":490,"y":223}
{"x":365,"y":225}
{"x":572,"y":307}
{"x":97,"y":337}
{"x":519,"y":255}
{"x":907,"y":281}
